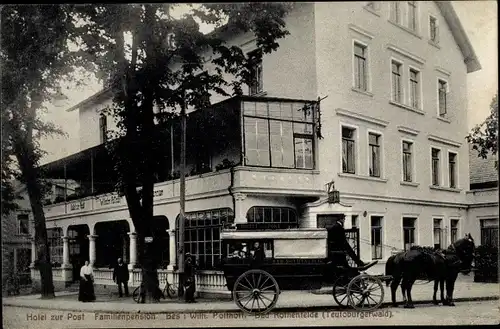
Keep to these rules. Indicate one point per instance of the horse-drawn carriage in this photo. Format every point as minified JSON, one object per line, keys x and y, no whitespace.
{"x":259,"y":264}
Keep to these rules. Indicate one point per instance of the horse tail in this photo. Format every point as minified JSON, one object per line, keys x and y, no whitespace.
{"x":389,"y":269}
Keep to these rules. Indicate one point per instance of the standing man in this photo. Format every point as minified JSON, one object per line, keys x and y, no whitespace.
{"x":120,"y":275}
{"x":339,"y":246}
{"x":190,"y":274}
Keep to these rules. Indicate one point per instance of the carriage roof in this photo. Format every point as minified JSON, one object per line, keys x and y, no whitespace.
{"x":280,"y":234}
{"x":286,"y":243}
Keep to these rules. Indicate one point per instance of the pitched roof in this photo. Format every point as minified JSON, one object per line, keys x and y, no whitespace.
{"x":461,"y":38}
{"x":481,"y":170}
{"x":470,"y":58}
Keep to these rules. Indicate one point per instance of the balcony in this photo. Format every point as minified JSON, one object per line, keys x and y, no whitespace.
{"x":270,"y":142}
{"x":278,"y":181}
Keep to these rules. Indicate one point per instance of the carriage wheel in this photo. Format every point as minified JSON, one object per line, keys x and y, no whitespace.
{"x":365,"y":292}
{"x":256,"y":292}
{"x":340,"y":292}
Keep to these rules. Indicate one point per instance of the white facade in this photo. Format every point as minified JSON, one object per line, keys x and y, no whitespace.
{"x":316,"y":60}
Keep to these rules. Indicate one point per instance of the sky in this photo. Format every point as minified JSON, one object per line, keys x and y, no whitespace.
{"x":479,"y":19}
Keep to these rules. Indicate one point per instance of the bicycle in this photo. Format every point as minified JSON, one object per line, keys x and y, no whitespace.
{"x":169,"y":290}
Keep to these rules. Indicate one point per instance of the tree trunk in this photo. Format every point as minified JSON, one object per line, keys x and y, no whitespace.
{"x":141,"y":215}
{"x":29,"y":174}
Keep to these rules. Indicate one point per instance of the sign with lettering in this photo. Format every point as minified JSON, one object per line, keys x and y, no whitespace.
{"x":109,"y":200}
{"x":79,"y":205}
{"x":158,"y":193}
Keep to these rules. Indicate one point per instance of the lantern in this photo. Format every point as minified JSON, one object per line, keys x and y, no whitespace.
{"x":333,"y":194}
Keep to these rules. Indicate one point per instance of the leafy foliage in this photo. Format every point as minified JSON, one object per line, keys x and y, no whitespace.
{"x":486,"y":264}
{"x":164,"y":67}
{"x":155,"y":65}
{"x":484,"y":136}
{"x":35,"y":56}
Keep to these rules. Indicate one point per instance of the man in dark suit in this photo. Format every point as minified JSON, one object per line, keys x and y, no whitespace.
{"x":339,"y":246}
{"x":121,"y":276}
{"x":190,"y":267}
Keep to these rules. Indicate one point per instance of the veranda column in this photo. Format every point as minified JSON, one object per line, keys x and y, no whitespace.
{"x":133,"y":250}
{"x":65,"y":250}
{"x":173,"y":255}
{"x":67,"y":270}
{"x":92,"y":250}
{"x":33,"y":260}
{"x":239,"y":212}
{"x":172,"y":250}
{"x":33,"y":252}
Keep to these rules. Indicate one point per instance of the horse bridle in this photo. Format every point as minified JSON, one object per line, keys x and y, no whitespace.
{"x":459,"y":261}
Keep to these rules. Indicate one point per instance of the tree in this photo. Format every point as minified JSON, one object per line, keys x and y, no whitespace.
{"x":484,"y":136}
{"x":160,"y":72}
{"x":35,"y":55}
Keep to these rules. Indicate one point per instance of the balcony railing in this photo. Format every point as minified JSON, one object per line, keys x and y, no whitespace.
{"x":272,"y":180}
{"x":205,"y":183}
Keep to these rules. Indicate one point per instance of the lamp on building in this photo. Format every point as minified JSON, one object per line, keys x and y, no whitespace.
{"x":333,"y":194}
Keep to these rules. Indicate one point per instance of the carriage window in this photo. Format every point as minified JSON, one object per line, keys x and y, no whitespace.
{"x":251,"y":249}
{"x":408,"y":232}
{"x":202,"y":235}
{"x":282,"y":217}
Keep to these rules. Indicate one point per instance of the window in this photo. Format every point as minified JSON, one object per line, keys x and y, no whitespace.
{"x":283,"y":217}
{"x":354,"y":221}
{"x":103,"y":129}
{"x":278,"y":134}
{"x":303,"y":141}
{"x":433,"y":29}
{"x":348,"y":150}
{"x":454,"y":230}
{"x":435,"y":167}
{"x":257,"y":141}
{"x":23,"y":222}
{"x":489,"y":232}
{"x":54,"y":237}
{"x":23,"y":260}
{"x":395,"y":12}
{"x":452,"y":167}
{"x":59,"y":191}
{"x":245,"y":249}
{"x":437,"y":230}
{"x":396,"y":82}
{"x":376,"y":238}
{"x":442,"y":91}
{"x":414,"y":89}
{"x":407,"y":161}
{"x":360,"y":72}
{"x":412,"y":15}
{"x":374,"y":145}
{"x":256,"y":84}
{"x":202,"y":235}
{"x":408,"y":232}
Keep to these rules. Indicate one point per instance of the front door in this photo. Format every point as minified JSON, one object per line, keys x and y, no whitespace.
{"x":327,"y":221}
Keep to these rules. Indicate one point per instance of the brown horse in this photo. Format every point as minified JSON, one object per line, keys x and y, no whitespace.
{"x":440,"y":266}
